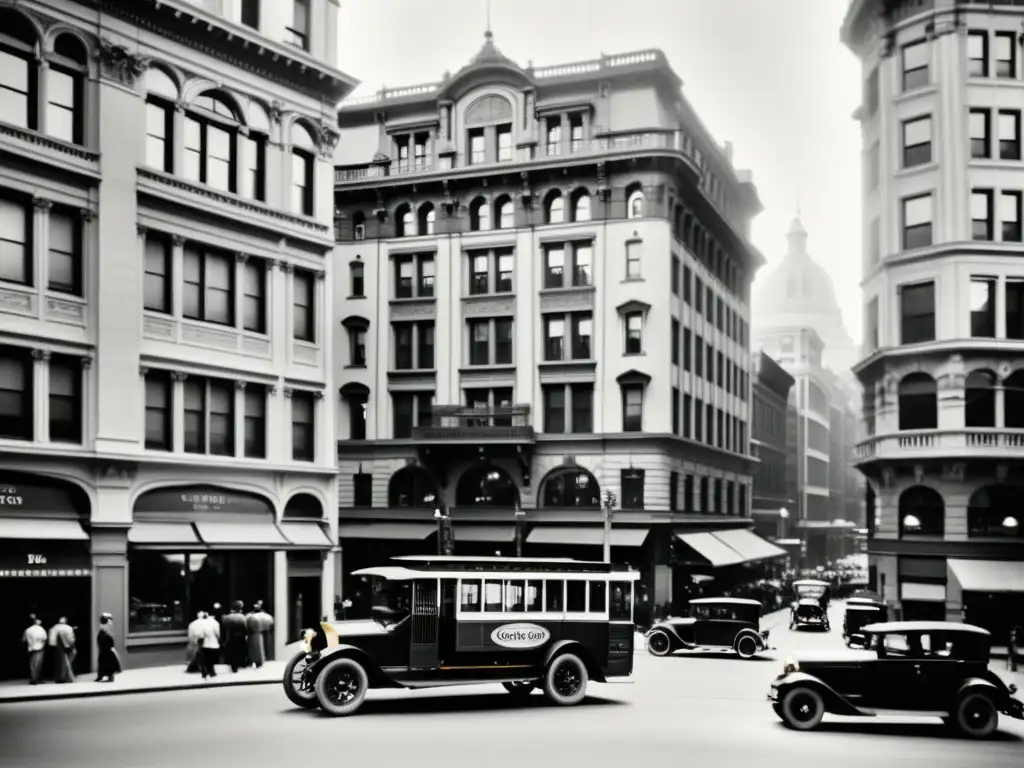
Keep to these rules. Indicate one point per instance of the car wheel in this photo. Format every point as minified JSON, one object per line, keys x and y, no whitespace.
{"x":292,"y":682}
{"x":746,"y":647}
{"x":802,"y":708}
{"x":341,"y":687}
{"x":520,"y":688}
{"x":777,"y":708}
{"x":976,"y":715}
{"x":566,"y":680}
{"x":659,"y":644}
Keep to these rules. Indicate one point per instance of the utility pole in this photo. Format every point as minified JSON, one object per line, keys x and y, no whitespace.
{"x":609,"y":502}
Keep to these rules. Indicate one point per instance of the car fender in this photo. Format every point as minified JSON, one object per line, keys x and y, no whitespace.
{"x":751,"y":633}
{"x":834,"y":702}
{"x":577,"y":649}
{"x":669,"y":630}
{"x":377,"y":677}
{"x":980,"y":684}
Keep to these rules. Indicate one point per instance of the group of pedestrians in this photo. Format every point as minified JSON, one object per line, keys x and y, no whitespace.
{"x":238,"y":638}
{"x":63,"y":647}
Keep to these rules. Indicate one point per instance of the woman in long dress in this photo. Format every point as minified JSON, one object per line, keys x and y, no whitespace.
{"x":108,"y":663}
{"x":62,"y":640}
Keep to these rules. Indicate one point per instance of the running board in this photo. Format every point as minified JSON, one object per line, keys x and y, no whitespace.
{"x":874,"y":712}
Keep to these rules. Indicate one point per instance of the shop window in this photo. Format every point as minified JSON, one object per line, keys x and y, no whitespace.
{"x":632,"y":482}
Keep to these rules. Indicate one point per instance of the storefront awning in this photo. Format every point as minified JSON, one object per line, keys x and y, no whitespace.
{"x":306,"y":534}
{"x":988,"y":575}
{"x":241,"y":535}
{"x":751,"y":546}
{"x":163,"y":534}
{"x":587,"y":535}
{"x":501,"y":534}
{"x":390,"y":531}
{"x":716,"y":552}
{"x":35,"y":528}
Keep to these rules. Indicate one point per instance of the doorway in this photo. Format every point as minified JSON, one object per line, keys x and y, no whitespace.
{"x":49,"y":598}
{"x":303,"y":605}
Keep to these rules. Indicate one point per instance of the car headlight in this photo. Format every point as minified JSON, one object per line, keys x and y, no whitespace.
{"x":790,"y":666}
{"x":307,"y":639}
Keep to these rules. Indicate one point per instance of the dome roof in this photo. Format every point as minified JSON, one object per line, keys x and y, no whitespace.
{"x":487,"y":58}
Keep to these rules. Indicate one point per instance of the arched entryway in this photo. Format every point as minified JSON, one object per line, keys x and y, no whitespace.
{"x":486,"y":485}
{"x":922,"y":512}
{"x":570,"y":486}
{"x":303,"y":525}
{"x":412,"y":486}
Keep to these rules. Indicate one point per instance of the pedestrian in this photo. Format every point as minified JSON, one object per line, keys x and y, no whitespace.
{"x":211,"y":645}
{"x":35,"y":643}
{"x":236,"y":635}
{"x":62,"y":640}
{"x":196,"y":632}
{"x":108,"y":663}
{"x":258,"y":623}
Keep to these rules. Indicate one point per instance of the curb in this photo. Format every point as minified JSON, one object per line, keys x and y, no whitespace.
{"x":92,"y":694}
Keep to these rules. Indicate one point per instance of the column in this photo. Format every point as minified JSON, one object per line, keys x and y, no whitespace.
{"x":40,"y":244}
{"x":240,"y":149}
{"x":177,"y":270}
{"x":87,"y":415}
{"x":289,"y":301}
{"x":239,"y":419}
{"x":1001,"y":307}
{"x":85,"y":266}
{"x":109,"y":547}
{"x":1000,"y":398}
{"x":41,"y":395}
{"x":563,"y":121}
{"x":273,"y":430}
{"x":42,"y":94}
{"x":178,"y":411}
{"x":327,"y":591}
{"x":178,"y":140}
{"x":281,"y":607}
{"x":240,"y":260}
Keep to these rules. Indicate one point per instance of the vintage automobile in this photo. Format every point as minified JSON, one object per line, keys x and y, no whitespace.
{"x":861,"y":611}
{"x":808,"y":612}
{"x":553,"y":624}
{"x":714,"y":624}
{"x":911,"y":668}
{"x":805,"y":589}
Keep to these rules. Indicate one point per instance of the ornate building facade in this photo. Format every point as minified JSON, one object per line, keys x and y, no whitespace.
{"x":775,"y":451}
{"x":544,"y":297}
{"x":943,"y":390}
{"x":166,"y":209}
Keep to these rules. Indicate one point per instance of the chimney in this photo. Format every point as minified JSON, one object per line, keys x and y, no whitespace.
{"x":728,"y":151}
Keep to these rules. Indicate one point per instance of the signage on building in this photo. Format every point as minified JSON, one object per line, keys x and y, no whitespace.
{"x":9,"y":496}
{"x":520,"y":636}
{"x":31,"y":494}
{"x":201,"y":498}
{"x":35,"y":561}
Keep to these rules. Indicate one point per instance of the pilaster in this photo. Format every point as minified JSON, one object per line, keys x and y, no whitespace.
{"x":42,"y":95}
{"x":41,"y":243}
{"x":178,"y":411}
{"x":177,"y":271}
{"x":239,"y":419}
{"x":41,"y":395}
{"x":240,"y":260}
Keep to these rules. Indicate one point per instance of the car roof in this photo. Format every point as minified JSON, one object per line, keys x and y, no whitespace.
{"x":851,"y":601}
{"x":809,"y":601}
{"x":398,"y":573}
{"x":724,"y":601}
{"x":810,"y":583}
{"x":925,"y":626}
{"x":865,"y":607}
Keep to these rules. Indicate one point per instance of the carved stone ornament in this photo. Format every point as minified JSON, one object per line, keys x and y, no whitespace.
{"x":143,"y":371}
{"x":42,"y":203}
{"x":284,"y":266}
{"x":86,"y":362}
{"x":87,"y":214}
{"x":276,"y":111}
{"x":288,"y":392}
{"x":142,"y":229}
{"x":318,"y":395}
{"x":888,"y":478}
{"x":272,"y":390}
{"x":918,"y":474}
{"x":1004,"y":371}
{"x":240,"y":384}
{"x":241,"y":258}
{"x":955,"y":471}
{"x":177,"y":239}
{"x":117,"y":63}
{"x":40,"y":354}
{"x":327,"y":140}
{"x":117,"y":470}
{"x":1002,"y":471}
{"x":179,"y":375}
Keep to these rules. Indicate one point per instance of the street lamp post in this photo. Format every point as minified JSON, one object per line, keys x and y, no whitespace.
{"x":607,"y":505}
{"x":520,"y":519}
{"x":783,"y":516}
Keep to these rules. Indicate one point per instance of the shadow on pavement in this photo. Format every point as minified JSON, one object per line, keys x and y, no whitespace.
{"x":869,"y":727}
{"x":487,"y":702}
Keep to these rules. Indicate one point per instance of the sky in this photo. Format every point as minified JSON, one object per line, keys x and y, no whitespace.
{"x":768,"y":75}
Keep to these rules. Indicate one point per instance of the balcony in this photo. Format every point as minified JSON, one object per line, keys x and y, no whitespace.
{"x":985,"y":442}
{"x":459,"y":424}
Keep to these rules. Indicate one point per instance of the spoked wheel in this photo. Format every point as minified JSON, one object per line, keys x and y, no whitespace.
{"x":566,"y":680}
{"x":341,"y":687}
{"x":746,"y":647}
{"x":802,"y":709}
{"x":292,"y":682}
{"x":520,"y":688}
{"x":659,"y":644}
{"x":976,"y":716}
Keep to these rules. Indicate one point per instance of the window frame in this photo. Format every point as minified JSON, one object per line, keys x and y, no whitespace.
{"x":924,"y":335}
{"x":205,"y":256}
{"x":76,"y":256}
{"x":919,"y":153}
{"x":633,"y":337}
{"x":910,"y":77}
{"x":908,"y":231}
{"x":306,"y":331}
{"x":162,"y":381}
{"x":303,"y":449}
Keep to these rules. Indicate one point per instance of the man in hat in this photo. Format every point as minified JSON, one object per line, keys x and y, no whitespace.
{"x":236,"y":637}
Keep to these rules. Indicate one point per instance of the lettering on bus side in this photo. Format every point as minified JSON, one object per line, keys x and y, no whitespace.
{"x":520,"y":636}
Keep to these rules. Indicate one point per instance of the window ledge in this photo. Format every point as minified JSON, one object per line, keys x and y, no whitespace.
{"x":633,"y":280}
{"x":567,"y":289}
{"x":49,"y":143}
{"x":356,"y":367}
{"x":917,"y":170}
{"x":485,"y":296}
{"x":412,"y":371}
{"x":916,"y":93}
{"x":993,"y":163}
{"x":360,"y":296}
{"x":413,"y":300}
{"x":489,"y":368}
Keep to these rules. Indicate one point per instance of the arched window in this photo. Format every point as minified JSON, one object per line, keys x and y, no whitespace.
{"x":635,"y":203}
{"x":65,"y":89}
{"x":995,"y":511}
{"x":479,"y":215}
{"x":412,"y":486}
{"x":303,"y":158}
{"x":918,"y":402}
{"x":486,"y":486}
{"x":358,"y":225}
{"x":19,"y":72}
{"x":211,"y":142}
{"x":161,"y":96}
{"x":505,"y":211}
{"x":570,"y":487}
{"x":980,"y":399}
{"x":922,"y":512}
{"x":426,"y":219}
{"x":404,"y":221}
{"x":555,"y":208}
{"x":303,"y":506}
{"x":1013,"y":400}
{"x":581,"y":206}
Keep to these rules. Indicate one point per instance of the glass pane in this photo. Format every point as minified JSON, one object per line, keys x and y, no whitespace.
{"x":976,"y":46}
{"x":978,"y":125}
{"x":979,"y":206}
{"x":62,"y":271}
{"x":218,"y":306}
{"x":62,"y":232}
{"x":13,"y":73}
{"x":60,"y":123}
{"x":917,"y":132}
{"x":156,"y":153}
{"x":14,"y":107}
{"x":1008,"y":127}
{"x":60,"y":89}
{"x":915,"y":56}
{"x":154,"y":290}
{"x":917,"y":210}
{"x":156,"y":120}
{"x":218,"y":272}
{"x":1009,"y":207}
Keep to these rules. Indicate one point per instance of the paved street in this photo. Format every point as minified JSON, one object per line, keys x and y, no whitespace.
{"x":704,"y":708}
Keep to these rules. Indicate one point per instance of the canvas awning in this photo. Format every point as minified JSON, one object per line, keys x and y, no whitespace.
{"x":587,"y":535}
{"x":163,"y":533}
{"x":988,"y":575}
{"x":500,"y":534}
{"x":306,"y":534}
{"x":715,"y":551}
{"x":391,"y":531}
{"x":751,"y":546}
{"x":241,"y":535}
{"x":35,"y":528}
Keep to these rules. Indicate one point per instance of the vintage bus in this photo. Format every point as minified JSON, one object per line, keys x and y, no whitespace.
{"x":552,"y":624}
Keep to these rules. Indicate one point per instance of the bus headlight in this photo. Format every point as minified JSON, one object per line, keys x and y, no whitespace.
{"x":790,"y":666}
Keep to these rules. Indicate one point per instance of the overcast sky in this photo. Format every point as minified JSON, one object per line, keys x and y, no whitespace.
{"x":769,"y":75}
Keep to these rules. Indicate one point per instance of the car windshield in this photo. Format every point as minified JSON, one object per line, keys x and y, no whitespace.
{"x":810,"y":590}
{"x":392,"y":601}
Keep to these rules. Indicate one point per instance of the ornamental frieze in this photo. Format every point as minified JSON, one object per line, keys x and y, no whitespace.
{"x":117,"y":63}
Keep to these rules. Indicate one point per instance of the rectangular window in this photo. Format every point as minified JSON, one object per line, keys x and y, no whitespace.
{"x":479,"y":278}
{"x":158,"y":411}
{"x":303,"y":316}
{"x":426,"y":277}
{"x":582,"y":408}
{"x":303,"y":432}
{"x":506,"y":266}
{"x":633,"y":261}
{"x":1010,"y":216}
{"x":983,"y":307}
{"x":698,"y":295}
{"x":255,"y":416}
{"x":554,"y":268}
{"x":253,"y":157}
{"x":554,"y":595}
{"x":357,"y":280}
{"x":404,"y":269}
{"x":253,"y":297}
{"x":554,"y":338}
{"x":675,"y":410}
{"x":18,"y":89}
{"x":676,"y":329}
{"x":686,"y":284}
{"x":634,"y":333}
{"x":554,"y":408}
{"x":698,"y":419}
{"x":917,"y":313}
{"x":576,"y":134}
{"x":403,"y":346}
{"x":425,"y":345}
{"x":195,"y":415}
{"x":477,"y":147}
{"x":698,"y":356}
{"x":915,"y":65}
{"x":15,"y":239}
{"x":582,"y":335}
{"x":676,"y":270}
{"x":251,"y":13}
{"x":981,"y":214}
{"x":632,"y":482}
{"x":598,"y":597}
{"x":504,"y":133}
{"x":687,"y":343}
{"x":64,"y":105}
{"x":469,"y":600}
{"x":1014,"y":311}
{"x":159,"y":125}
{"x":207,"y":285}
{"x":917,"y":222}
{"x":357,"y":418}
{"x":302,"y":182}
{"x":503,"y":341}
{"x":977,"y":54}
{"x":479,"y":342}
{"x":575,"y":596}
{"x":1006,"y":55}
{"x":156,"y":289}
{"x":65,"y":252}
{"x":687,"y":408}
{"x":554,"y":137}
{"x":65,"y":399}
{"x":1009,"y":134}
{"x":222,"y":418}
{"x":402,"y":406}
{"x":298,"y":33}
{"x":632,"y":408}
{"x":357,"y":347}
{"x":492,"y":596}
{"x":979,"y":128}
{"x":582,"y":265}
{"x":362,"y":489}
{"x":917,"y":141}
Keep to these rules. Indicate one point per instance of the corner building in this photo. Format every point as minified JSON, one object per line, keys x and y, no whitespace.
{"x":165,"y":198}
{"x":943,"y":375}
{"x":542,"y":289}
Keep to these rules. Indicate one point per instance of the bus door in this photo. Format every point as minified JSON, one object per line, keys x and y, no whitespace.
{"x":447,"y":630}
{"x":423,"y":650}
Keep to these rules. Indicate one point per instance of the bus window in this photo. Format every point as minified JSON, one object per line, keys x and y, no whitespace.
{"x":621,"y":604}
{"x":514,"y":595}
{"x":576,"y":596}
{"x":555,"y":596}
{"x":598,"y":596}
{"x":492,"y":596}
{"x":533,"y":595}
{"x":470,"y":601}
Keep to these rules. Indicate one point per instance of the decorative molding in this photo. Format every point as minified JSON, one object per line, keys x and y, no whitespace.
{"x":284,"y":266}
{"x":241,"y":258}
{"x":567,"y":300}
{"x":318,"y":395}
{"x":327,"y":139}
{"x":178,"y":240}
{"x":142,"y":229}
{"x":88,"y":214}
{"x":117,"y":63}
{"x":49,"y":143}
{"x":42,"y":204}
{"x":288,"y":392}
{"x":41,"y":354}
{"x":239,"y":384}
{"x":117,"y":470}
{"x":276,"y":111}
{"x":271,"y":389}
{"x":502,"y":304}
{"x":86,"y":362}
{"x":320,"y":274}
{"x":143,"y":371}
{"x":179,"y":375}
{"x":268,"y":264}
{"x":954,"y":471}
{"x":413,"y":309}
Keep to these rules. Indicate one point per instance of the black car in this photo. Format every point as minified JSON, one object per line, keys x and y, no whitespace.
{"x":809,"y":612}
{"x":860,"y":611}
{"x":918,"y":668}
{"x":714,"y":624}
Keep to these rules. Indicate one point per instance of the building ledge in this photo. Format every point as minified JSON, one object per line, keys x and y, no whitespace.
{"x":983,"y":442}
